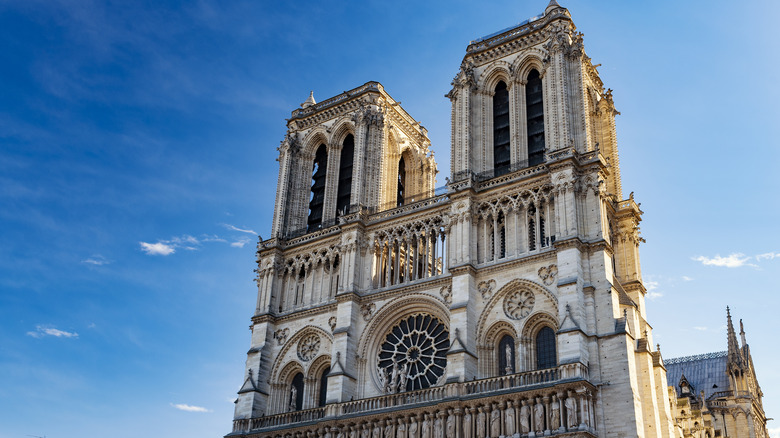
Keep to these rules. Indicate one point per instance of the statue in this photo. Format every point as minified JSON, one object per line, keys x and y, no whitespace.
{"x":383,"y":379}
{"x":402,"y":377}
{"x":508,"y":353}
{"x":571,"y":412}
{"x":327,"y":433}
{"x":340,"y":434}
{"x":481,"y":417}
{"x":377,"y":432}
{"x":467,"y":424}
{"x":389,"y":426}
{"x":495,"y":422}
{"x":555,"y":414}
{"x":426,"y":427}
{"x":400,"y":431}
{"x":365,"y":432}
{"x":438,"y":427}
{"x":394,"y":378}
{"x":450,"y":425}
{"x":510,"y":419}
{"x":539,"y":417}
{"x":412,"y":427}
{"x":525,"y":414}
{"x":352,"y":431}
{"x":293,"y":398}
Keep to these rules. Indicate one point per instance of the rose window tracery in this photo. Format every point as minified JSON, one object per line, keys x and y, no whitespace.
{"x":519,"y":304}
{"x":413,"y":354}
{"x":308,"y":347}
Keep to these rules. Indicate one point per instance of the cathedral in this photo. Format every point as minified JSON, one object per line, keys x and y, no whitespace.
{"x":507,"y":303}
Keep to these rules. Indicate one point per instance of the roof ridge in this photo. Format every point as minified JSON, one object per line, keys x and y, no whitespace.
{"x":695,"y":357}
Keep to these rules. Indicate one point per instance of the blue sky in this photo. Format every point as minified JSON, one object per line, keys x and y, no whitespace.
{"x":137,"y":166}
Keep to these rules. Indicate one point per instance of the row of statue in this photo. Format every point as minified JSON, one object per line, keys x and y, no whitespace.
{"x":393,"y":378}
{"x":534,"y":416}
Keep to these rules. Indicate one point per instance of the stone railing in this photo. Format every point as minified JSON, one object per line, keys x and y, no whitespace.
{"x":406,"y":400}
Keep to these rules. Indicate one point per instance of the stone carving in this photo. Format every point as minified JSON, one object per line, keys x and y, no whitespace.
{"x":539,"y":417}
{"x":368,"y":311}
{"x":426,"y":427}
{"x":446,"y":294}
{"x":571,"y":412}
{"x":467,"y":424}
{"x":364,"y":431}
{"x":400,"y":431}
{"x":481,"y":417}
{"x":293,"y":398}
{"x":438,"y":427}
{"x":332,"y":323}
{"x":281,"y":336}
{"x":525,"y":420}
{"x":555,"y":414}
{"x":519,"y":304}
{"x":352,"y":432}
{"x":389,"y":429}
{"x":508,"y":357}
{"x":308,"y":347}
{"x":412,"y":427}
{"x":450,"y":425}
{"x":548,"y":274}
{"x":510,"y":419}
{"x":495,"y":422}
{"x":486,"y":288}
{"x":377,"y":431}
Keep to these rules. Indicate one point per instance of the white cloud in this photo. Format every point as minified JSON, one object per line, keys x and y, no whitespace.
{"x":735,"y":260}
{"x":189,"y":408}
{"x":233,"y":228}
{"x":652,"y":287}
{"x":687,"y":278}
{"x":97,"y":260}
{"x":699,"y":328}
{"x":41,"y":331}
{"x":768,"y":256}
{"x":774,"y":432}
{"x":240,"y":243}
{"x":158,"y":248}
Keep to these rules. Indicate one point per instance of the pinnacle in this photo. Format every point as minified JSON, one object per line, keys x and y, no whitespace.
{"x":309,"y":101}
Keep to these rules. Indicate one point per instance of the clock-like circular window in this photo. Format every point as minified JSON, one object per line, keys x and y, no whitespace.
{"x":519,"y":304}
{"x":413,"y":354}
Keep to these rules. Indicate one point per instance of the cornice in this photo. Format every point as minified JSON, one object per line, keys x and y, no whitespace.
{"x":548,"y":254}
{"x":297,"y":314}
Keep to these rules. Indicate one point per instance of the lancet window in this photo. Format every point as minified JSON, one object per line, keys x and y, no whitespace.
{"x":401,"y":182}
{"x":309,"y":279}
{"x":501,"y":155}
{"x":317,"y":195}
{"x":545,"y":349}
{"x":345,"y":175}
{"x":409,"y":253}
{"x":323,"y":389}
{"x":534,"y":118}
{"x":506,"y":355}
{"x":296,"y":393}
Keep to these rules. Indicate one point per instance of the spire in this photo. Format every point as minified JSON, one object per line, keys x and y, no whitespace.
{"x":310,"y":101}
{"x":734,"y":357}
{"x":742,"y":333}
{"x":552,"y":5}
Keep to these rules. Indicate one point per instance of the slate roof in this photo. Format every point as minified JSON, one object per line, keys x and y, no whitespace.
{"x":703,"y":371}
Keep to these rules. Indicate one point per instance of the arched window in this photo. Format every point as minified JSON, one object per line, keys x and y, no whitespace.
{"x":534,"y":112}
{"x":506,"y":355}
{"x":501,"y":223}
{"x":501,"y":155}
{"x":531,"y":227}
{"x":296,"y":393}
{"x":345,"y":175}
{"x":545,"y":349}
{"x":317,"y":198}
{"x":323,"y":387}
{"x":401,"y":182}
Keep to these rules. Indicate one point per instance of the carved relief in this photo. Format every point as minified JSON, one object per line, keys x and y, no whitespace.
{"x":368,"y":310}
{"x":519,"y":304}
{"x":332,"y":323}
{"x":486,"y":288}
{"x":548,"y":274}
{"x":308,"y":347}
{"x":446,"y":294}
{"x":281,"y":336}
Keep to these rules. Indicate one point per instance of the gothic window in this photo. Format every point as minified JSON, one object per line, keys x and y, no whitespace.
{"x":296,"y":393}
{"x":534,"y":111}
{"x":506,"y":355}
{"x":401,"y":182}
{"x":531,"y":228}
{"x":414,"y":354}
{"x":542,"y":234}
{"x":323,"y":387}
{"x":345,"y":175}
{"x":545,"y":349}
{"x":501,"y":235}
{"x":501,"y":155}
{"x":317,"y":197}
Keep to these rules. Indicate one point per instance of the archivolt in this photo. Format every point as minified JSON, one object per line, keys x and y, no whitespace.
{"x":508,"y":288}
{"x":276,"y":373}
{"x":498,"y":71}
{"x":531,"y":59}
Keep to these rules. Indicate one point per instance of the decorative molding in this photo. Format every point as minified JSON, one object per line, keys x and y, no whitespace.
{"x":486,"y":288}
{"x":367,"y":310}
{"x":548,"y":274}
{"x":281,"y":336}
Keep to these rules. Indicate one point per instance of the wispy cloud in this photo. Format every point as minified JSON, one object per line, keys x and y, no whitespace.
{"x":687,"y":278}
{"x":166,"y":247}
{"x":734,"y":260}
{"x":767,"y":256}
{"x":240,"y":230}
{"x":42,"y":331}
{"x":189,"y":408}
{"x":240,"y":243}
{"x":96,"y":260}
{"x":699,"y":328}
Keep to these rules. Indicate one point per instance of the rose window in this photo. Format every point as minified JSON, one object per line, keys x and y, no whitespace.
{"x":308,"y":347}
{"x":414,"y":354}
{"x":519,"y":304}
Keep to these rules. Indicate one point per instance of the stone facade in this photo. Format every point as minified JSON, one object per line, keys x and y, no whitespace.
{"x":508,"y":303}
